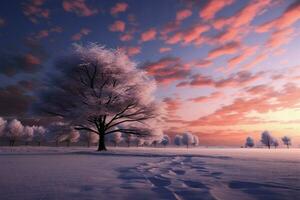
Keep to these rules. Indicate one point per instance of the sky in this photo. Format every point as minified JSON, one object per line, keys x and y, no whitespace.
{"x":226,"y":69}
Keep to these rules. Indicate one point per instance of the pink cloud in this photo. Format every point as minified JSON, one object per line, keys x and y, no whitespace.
{"x":148,"y":35}
{"x":131,"y":50}
{"x":255,"y":61}
{"x":45,"y":33}
{"x":34,"y":10}
{"x":30,"y":59}
{"x":203,"y":99}
{"x":167,"y":70}
{"x":126,"y":37}
{"x":245,"y":54}
{"x":192,"y":34}
{"x":199,"y":80}
{"x":79,"y":7}
{"x":280,"y":37}
{"x":164,"y":49}
{"x":172,"y":105}
{"x":288,"y":18}
{"x":42,"y":34}
{"x":177,"y":37}
{"x":249,"y":12}
{"x":237,"y":112}
{"x":183,"y":14}
{"x":169,"y":27}
{"x":259,"y":90}
{"x":243,"y":17}
{"x":175,"y":25}
{"x":213,"y":7}
{"x":117,"y":26}
{"x":230,"y":34}
{"x":119,"y":7}
{"x":240,"y":79}
{"x":226,"y":49}
{"x":201,"y":63}
{"x":83,"y":32}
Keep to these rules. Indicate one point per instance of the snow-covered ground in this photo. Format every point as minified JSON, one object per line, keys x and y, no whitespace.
{"x":46,"y":173}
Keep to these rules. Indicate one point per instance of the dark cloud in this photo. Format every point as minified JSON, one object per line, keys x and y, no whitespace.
{"x":29,"y":85}
{"x":11,"y":64}
{"x":14,"y":101}
{"x":30,"y":61}
{"x":2,"y":22}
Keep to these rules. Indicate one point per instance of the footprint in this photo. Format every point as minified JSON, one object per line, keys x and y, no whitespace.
{"x":216,"y":175}
{"x":194,"y":184}
{"x":178,"y":171}
{"x":158,"y":181}
{"x":187,"y":159}
{"x":202,"y":170}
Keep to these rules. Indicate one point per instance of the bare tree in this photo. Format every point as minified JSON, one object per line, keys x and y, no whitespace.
{"x":165,"y":140}
{"x":39,"y":134}
{"x":140,"y":141}
{"x":196,"y":140}
{"x":178,"y":140}
{"x":101,"y":91}
{"x":56,"y":131}
{"x":3,"y":124}
{"x":286,"y":141}
{"x":128,"y":138}
{"x":275,"y":143}
{"x":14,"y":131}
{"x":267,"y":139}
{"x":116,"y":138}
{"x":156,"y":140}
{"x":28,"y":133}
{"x":89,"y":137}
{"x":187,"y":139}
{"x":249,"y":142}
{"x":67,"y":135}
{"x":71,"y":137}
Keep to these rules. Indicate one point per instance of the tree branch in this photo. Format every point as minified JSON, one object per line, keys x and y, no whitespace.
{"x":127,"y":131}
{"x":85,"y":128}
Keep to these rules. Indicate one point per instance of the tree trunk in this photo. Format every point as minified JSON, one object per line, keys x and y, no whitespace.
{"x":39,"y":144}
{"x":101,"y":144}
{"x":88,"y":143}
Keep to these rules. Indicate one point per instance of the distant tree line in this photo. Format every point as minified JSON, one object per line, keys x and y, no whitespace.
{"x":13,"y":132}
{"x":268,"y":140}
